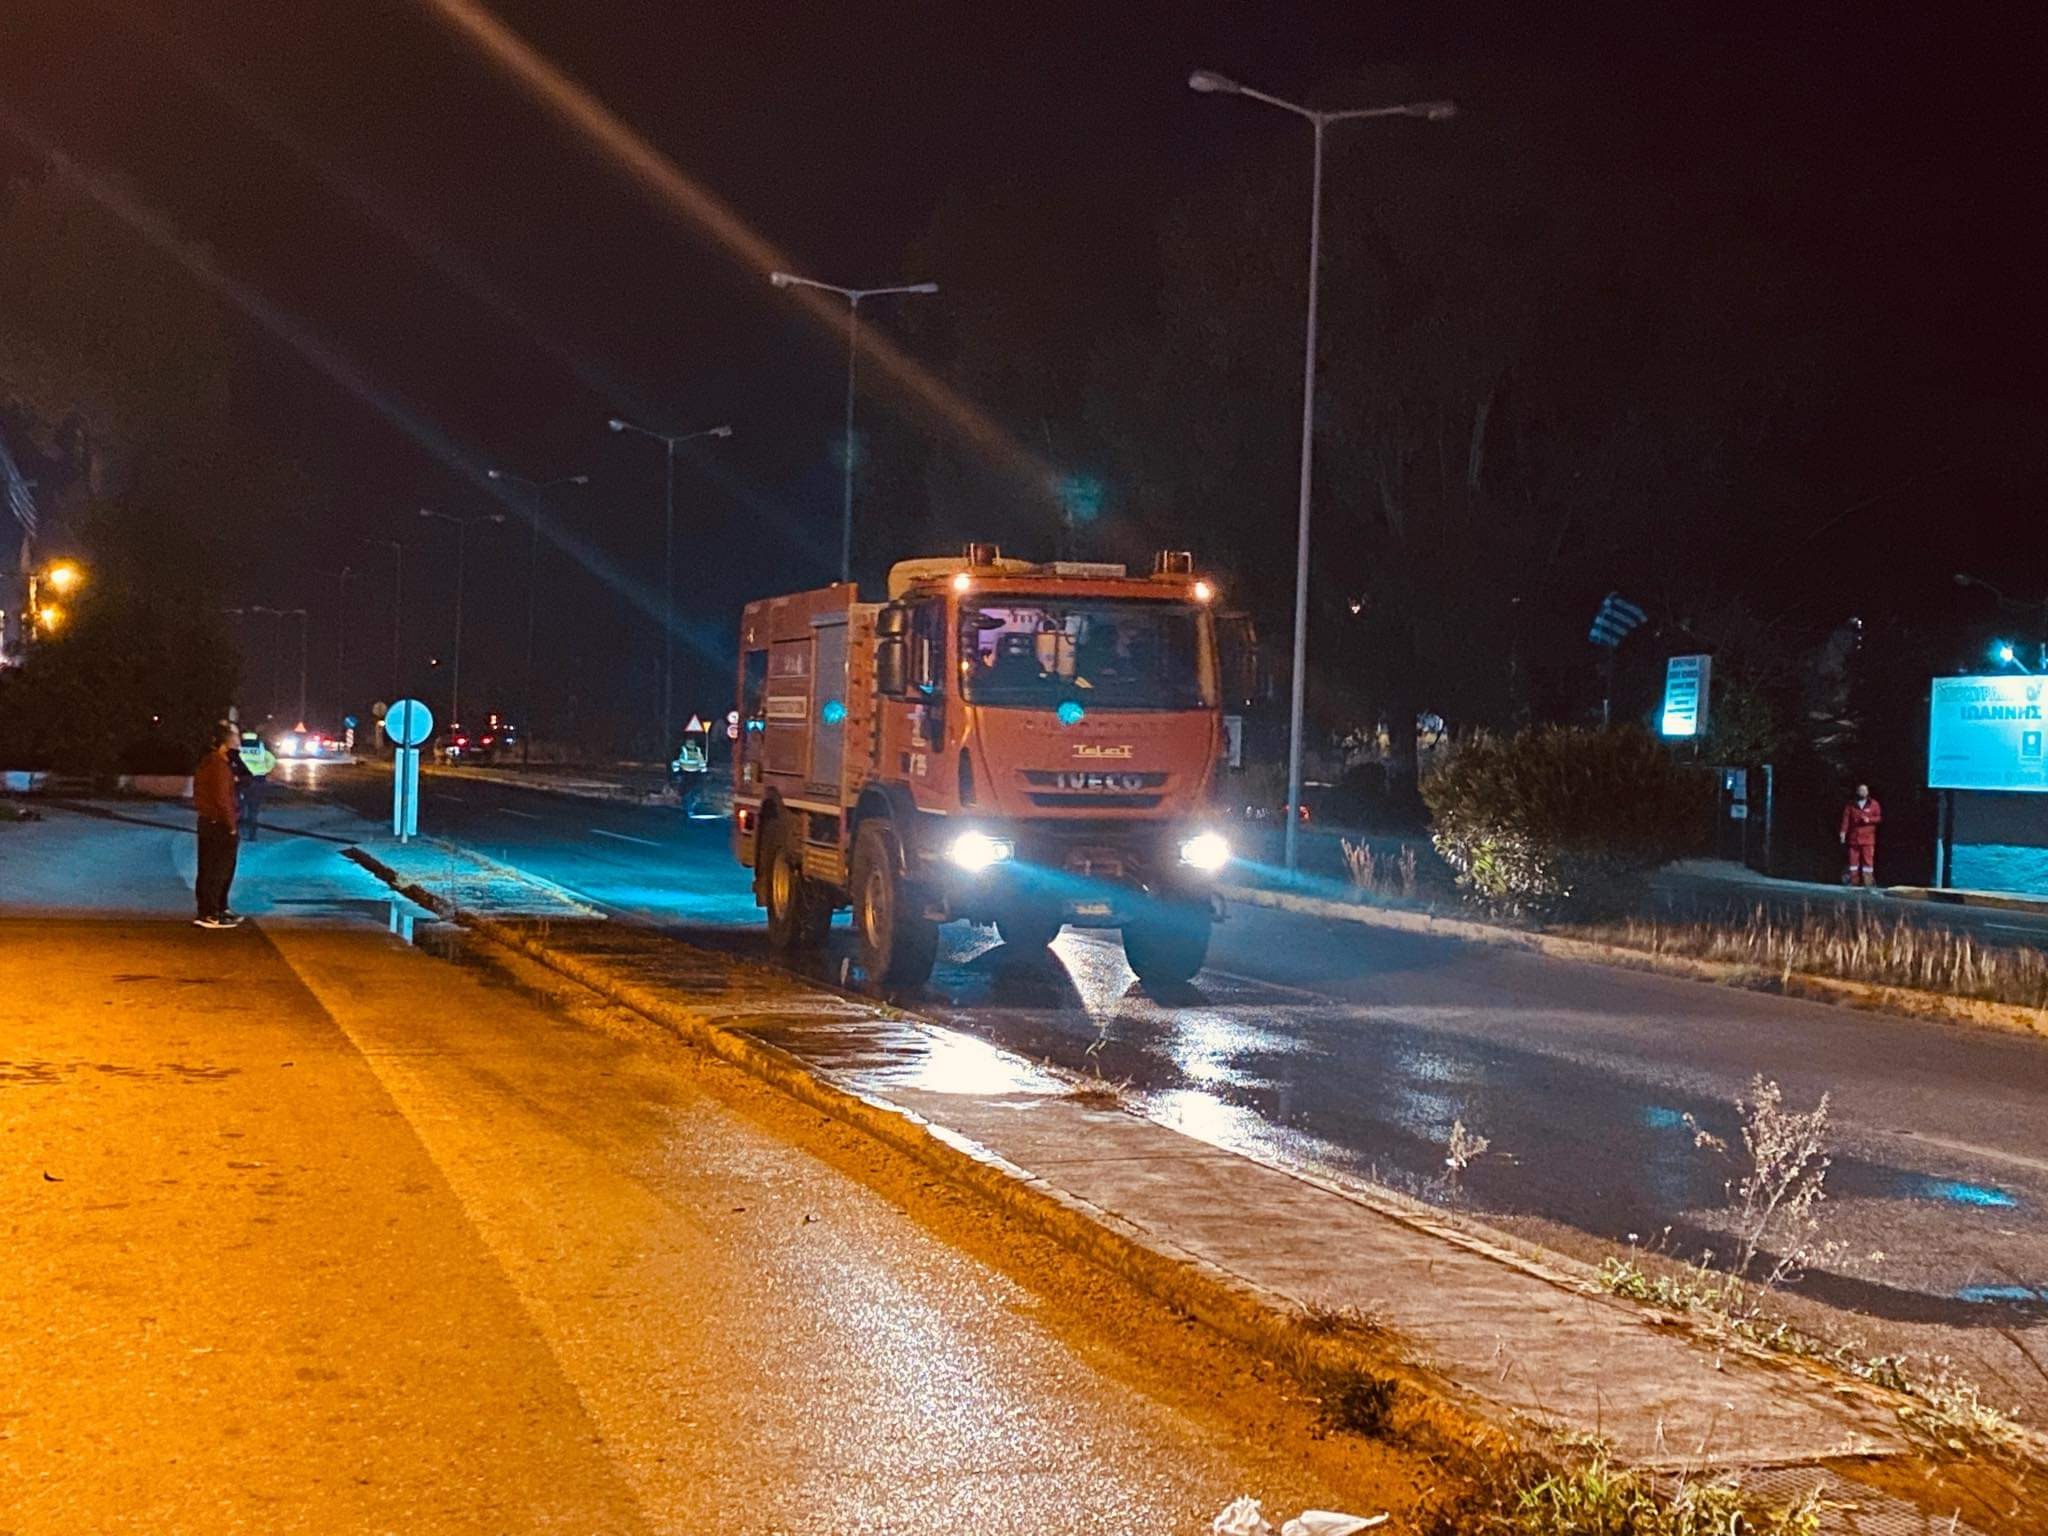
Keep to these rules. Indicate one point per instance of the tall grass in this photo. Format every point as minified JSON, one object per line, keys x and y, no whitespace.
{"x":1850,"y":943}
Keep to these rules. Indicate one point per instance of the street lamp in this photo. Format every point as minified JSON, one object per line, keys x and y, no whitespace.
{"x":61,"y":578}
{"x":462,"y":526}
{"x":281,"y":614}
{"x":853,"y":296}
{"x":397,"y":605}
{"x":669,"y":441}
{"x":537,"y":489}
{"x":1209,"y":82}
{"x":342,"y":578}
{"x":2001,"y":650}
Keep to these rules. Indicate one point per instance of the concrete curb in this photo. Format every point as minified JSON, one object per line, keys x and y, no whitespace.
{"x":499,"y":867}
{"x":1904,"y":1001}
{"x":1950,"y":898}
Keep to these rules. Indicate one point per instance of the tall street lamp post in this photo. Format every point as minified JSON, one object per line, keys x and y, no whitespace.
{"x":853,"y":296}
{"x":669,"y":441}
{"x":342,"y":578}
{"x":397,"y":606}
{"x":536,"y":489}
{"x":1434,"y":111}
{"x":281,"y":614}
{"x":462,"y":526}
{"x":275,"y":638}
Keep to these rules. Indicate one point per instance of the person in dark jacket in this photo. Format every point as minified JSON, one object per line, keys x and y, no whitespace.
{"x":213,"y":797}
{"x":1859,"y":837}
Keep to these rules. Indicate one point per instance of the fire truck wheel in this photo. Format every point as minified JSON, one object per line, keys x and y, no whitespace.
{"x":1168,"y":946}
{"x":1026,"y":929}
{"x":898,"y":943}
{"x":798,"y":914}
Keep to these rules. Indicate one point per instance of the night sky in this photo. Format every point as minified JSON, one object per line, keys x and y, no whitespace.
{"x":507,"y":289}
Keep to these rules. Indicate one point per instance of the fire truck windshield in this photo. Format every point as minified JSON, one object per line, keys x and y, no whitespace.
{"x":1040,"y":653}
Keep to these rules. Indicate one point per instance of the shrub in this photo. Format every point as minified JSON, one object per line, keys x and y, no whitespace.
{"x":1561,"y":819}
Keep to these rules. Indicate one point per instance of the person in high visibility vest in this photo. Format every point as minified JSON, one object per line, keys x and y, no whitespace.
{"x":256,"y":762}
{"x":691,"y":765}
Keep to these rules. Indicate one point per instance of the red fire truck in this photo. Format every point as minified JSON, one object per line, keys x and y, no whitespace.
{"x":1028,"y":745}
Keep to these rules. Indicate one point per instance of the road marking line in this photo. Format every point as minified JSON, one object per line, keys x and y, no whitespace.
{"x":1971,"y":1149}
{"x":644,"y":842}
{"x":506,"y":810}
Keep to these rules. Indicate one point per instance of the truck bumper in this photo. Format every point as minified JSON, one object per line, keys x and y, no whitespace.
{"x":1104,"y":883}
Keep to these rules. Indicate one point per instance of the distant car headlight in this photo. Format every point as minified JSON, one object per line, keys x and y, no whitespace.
{"x":976,"y":851}
{"x":289,"y":747}
{"x":1206,"y":851}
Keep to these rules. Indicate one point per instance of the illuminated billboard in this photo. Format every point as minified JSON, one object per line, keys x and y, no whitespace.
{"x":1985,"y":733}
{"x":1688,"y":680}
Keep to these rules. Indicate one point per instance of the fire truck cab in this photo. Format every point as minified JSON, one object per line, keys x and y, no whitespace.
{"x":1004,"y":742}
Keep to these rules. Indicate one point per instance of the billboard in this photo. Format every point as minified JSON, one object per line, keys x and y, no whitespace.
{"x":1687,"y":682}
{"x":1985,"y":733}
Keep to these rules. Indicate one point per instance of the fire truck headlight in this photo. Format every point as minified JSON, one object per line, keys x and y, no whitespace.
{"x":976,"y":851}
{"x":1206,"y":851}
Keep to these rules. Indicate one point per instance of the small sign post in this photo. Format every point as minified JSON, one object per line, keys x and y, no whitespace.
{"x":408,"y":723}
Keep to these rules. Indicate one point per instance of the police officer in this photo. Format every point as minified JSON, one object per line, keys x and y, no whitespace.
{"x":253,"y":778}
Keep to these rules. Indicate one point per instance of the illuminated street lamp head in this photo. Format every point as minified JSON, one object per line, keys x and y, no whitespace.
{"x":1432,"y":111}
{"x":781,"y":279}
{"x":922,"y":288}
{"x":616,"y":425}
{"x":720,"y":432}
{"x":1208,"y":81}
{"x":2002,"y":651}
{"x":51,"y":616}
{"x":64,"y":576}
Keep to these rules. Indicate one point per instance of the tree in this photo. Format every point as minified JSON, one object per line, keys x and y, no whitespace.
{"x":114,"y":368}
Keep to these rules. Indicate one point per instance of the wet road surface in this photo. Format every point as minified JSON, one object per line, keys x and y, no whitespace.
{"x":1354,"y":1050}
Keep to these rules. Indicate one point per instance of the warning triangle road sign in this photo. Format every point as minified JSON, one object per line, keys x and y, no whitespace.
{"x":695,"y":727}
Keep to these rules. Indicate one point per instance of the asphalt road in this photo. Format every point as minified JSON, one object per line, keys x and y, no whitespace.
{"x":1354,"y":1050}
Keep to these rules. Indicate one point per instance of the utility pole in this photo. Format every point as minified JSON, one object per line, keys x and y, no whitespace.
{"x":670,"y":441}
{"x":537,"y":489}
{"x":853,"y":296}
{"x":462,"y":527}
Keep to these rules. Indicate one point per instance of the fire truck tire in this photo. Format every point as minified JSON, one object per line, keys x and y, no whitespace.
{"x":898,"y":943}
{"x":1028,"y":930}
{"x":799,"y":915}
{"x":1168,"y":946}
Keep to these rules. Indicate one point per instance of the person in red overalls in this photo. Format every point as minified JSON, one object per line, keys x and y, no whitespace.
{"x":1859,"y":837}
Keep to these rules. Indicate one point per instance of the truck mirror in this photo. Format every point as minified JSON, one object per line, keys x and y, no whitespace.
{"x":892,"y":621}
{"x":889,"y":665}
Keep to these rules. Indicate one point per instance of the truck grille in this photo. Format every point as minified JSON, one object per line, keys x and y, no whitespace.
{"x":1094,"y":789}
